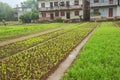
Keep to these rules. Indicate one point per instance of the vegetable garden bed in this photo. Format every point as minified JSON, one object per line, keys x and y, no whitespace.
{"x":36,"y":62}
{"x":11,"y":32}
{"x":13,"y":48}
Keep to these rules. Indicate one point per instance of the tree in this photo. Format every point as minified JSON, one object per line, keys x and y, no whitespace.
{"x":34,"y":16}
{"x":6,"y":12}
{"x":29,"y":16}
{"x":26,"y":18}
{"x":33,"y":4}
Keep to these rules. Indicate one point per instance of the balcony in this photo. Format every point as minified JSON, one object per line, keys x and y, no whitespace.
{"x":105,"y":4}
{"x":61,"y":8}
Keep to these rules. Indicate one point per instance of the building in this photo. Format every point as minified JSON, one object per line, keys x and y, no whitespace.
{"x":105,"y":9}
{"x":60,"y":9}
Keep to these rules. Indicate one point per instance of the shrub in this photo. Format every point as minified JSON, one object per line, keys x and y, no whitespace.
{"x":29,"y":16}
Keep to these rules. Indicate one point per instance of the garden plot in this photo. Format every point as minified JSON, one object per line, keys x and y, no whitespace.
{"x":38,"y":61}
{"x":11,"y":32}
{"x":13,"y":48}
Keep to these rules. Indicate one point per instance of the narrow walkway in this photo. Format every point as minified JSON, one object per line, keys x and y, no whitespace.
{"x":57,"y":75}
{"x":34,"y":35}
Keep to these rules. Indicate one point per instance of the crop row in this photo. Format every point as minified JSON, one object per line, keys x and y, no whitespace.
{"x":10,"y":32}
{"x":10,"y":49}
{"x":36,"y":62}
{"x":13,"y":48}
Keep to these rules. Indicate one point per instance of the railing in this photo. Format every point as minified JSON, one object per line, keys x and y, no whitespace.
{"x":60,"y":7}
{"x":107,"y":3}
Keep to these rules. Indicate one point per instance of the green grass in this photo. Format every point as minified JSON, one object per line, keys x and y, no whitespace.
{"x":9,"y":32}
{"x":99,"y":58}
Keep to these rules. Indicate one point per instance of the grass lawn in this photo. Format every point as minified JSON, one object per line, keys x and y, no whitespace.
{"x":99,"y":58}
{"x":9,"y":32}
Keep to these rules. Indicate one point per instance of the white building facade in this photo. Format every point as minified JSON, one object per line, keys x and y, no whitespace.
{"x":63,"y":9}
{"x":105,"y":8}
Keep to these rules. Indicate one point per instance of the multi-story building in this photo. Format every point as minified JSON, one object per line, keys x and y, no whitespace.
{"x":105,"y":9}
{"x":60,"y":9}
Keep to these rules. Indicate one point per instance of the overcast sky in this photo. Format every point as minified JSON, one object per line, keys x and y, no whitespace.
{"x":12,"y":3}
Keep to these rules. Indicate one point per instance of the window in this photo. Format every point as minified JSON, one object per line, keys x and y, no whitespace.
{"x":62,"y":13}
{"x":67,"y":3}
{"x":102,"y":1}
{"x":111,"y":1}
{"x":62,"y":4}
{"x":43,"y":5}
{"x":55,"y":4}
{"x":56,"y":13}
{"x":96,"y":1}
{"x":76,"y":13}
{"x":76,"y":2}
{"x":51,"y":4}
{"x":43,"y":14}
{"x":96,"y":10}
{"x":118,"y":2}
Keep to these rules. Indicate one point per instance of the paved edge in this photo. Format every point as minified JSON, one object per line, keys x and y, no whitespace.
{"x":34,"y":35}
{"x":59,"y":73}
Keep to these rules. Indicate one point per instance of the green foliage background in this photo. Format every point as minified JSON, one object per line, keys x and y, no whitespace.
{"x":6,"y":12}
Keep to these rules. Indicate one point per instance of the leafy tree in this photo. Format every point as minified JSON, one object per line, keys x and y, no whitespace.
{"x":29,"y":16}
{"x":34,"y":16}
{"x":33,"y":4}
{"x":26,"y":18}
{"x":6,"y":12}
